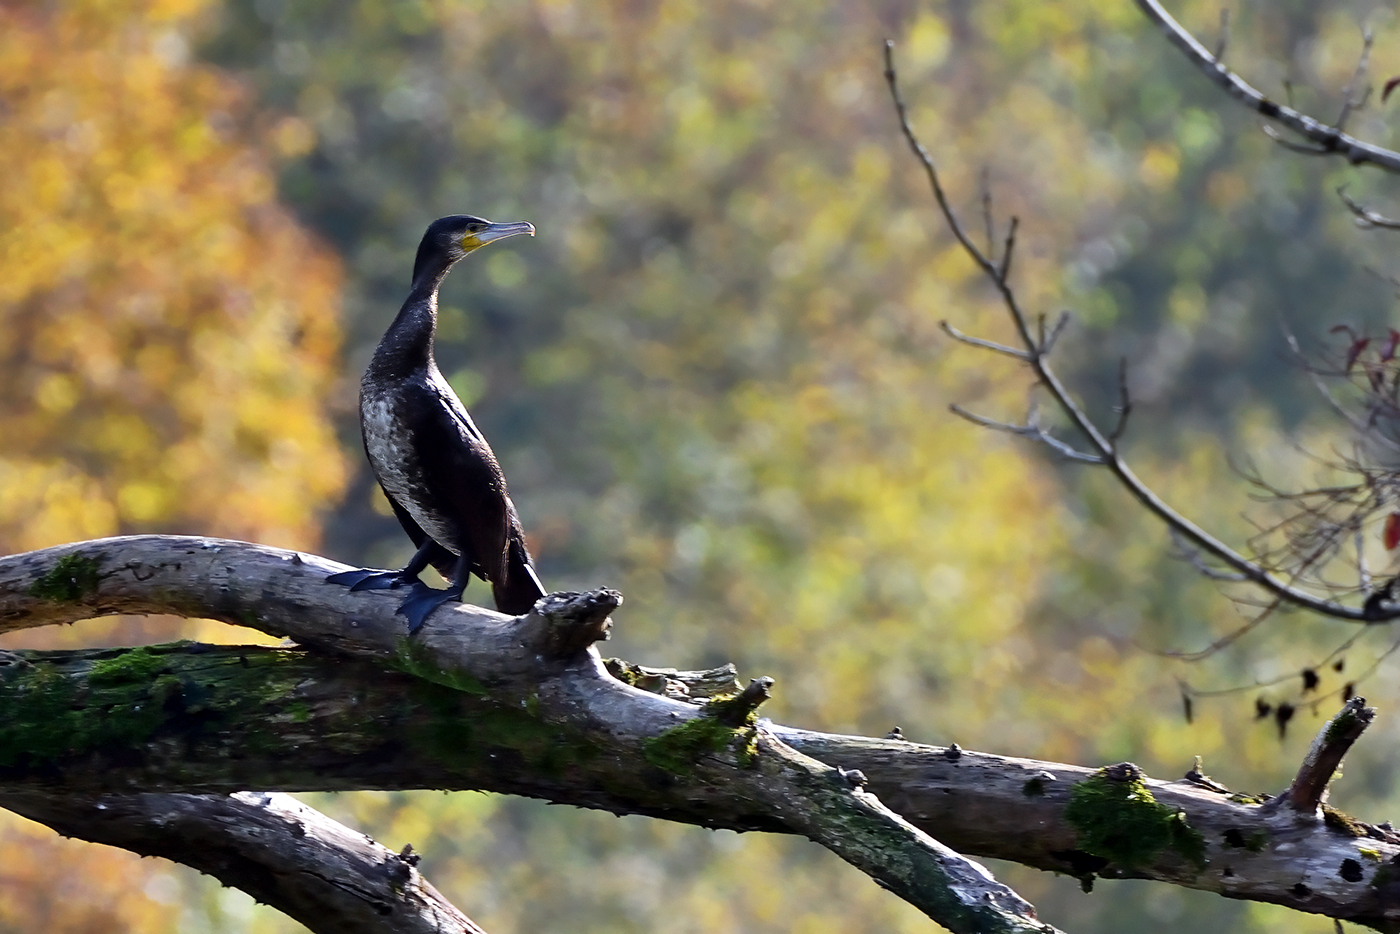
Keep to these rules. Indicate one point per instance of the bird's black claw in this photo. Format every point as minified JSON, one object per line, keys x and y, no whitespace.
{"x":368,"y":579}
{"x":385,"y":580}
{"x":421,"y":601}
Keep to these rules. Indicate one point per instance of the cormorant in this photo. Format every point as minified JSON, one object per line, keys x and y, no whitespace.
{"x":432,"y":461}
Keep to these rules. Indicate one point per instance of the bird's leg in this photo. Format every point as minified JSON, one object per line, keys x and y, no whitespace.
{"x":372,"y":579}
{"x":423,"y":599}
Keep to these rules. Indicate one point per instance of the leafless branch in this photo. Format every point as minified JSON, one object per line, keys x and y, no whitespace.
{"x":1365,"y":217}
{"x":957,"y":335}
{"x":1102,"y":447}
{"x":1031,"y":431}
{"x":1350,"y":101}
{"x":1125,"y":403}
{"x":1224,"y":41}
{"x":1329,"y":140}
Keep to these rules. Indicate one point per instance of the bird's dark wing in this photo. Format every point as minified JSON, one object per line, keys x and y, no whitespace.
{"x":442,"y":560}
{"x":461,"y":483}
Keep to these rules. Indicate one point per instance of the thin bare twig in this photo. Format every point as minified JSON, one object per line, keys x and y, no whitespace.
{"x":1224,"y":41}
{"x":1102,"y":447}
{"x":1034,"y":432}
{"x":993,"y":346}
{"x":1125,"y":403}
{"x":1365,"y":217}
{"x":1349,"y":100}
{"x":987,"y":208}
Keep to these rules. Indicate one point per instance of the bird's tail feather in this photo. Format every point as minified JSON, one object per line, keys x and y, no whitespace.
{"x":517,"y":594}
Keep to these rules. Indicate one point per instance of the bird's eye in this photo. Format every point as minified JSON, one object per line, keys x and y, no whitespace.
{"x":475,"y":228}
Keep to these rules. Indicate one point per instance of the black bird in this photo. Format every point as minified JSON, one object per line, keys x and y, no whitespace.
{"x":432,"y":461}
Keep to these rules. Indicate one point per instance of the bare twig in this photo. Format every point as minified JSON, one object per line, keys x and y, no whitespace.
{"x":1224,"y":41}
{"x":1034,"y":432}
{"x":957,"y":335}
{"x":1365,"y":217}
{"x":1047,"y":342}
{"x":1102,"y":447}
{"x":1350,"y":101}
{"x":987,"y":208}
{"x":1328,"y":139}
{"x":1125,"y":403}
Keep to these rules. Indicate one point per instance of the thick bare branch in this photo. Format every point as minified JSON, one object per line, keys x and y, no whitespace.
{"x":304,"y":732}
{"x":530,"y":665}
{"x":283,"y":853}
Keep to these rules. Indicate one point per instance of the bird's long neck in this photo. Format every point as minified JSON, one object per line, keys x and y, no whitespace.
{"x":407,"y":347}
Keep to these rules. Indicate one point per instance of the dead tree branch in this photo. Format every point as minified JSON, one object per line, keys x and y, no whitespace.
{"x":1103,"y":446}
{"x":319,"y":720}
{"x":283,"y":853}
{"x":541,"y":666}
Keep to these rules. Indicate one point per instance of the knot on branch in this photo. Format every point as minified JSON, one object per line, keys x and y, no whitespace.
{"x":738,"y":710}
{"x":1123,"y":772}
{"x":574,"y":621}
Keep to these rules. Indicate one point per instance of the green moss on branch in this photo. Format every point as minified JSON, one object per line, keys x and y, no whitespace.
{"x":72,"y":578}
{"x":1118,"y":819}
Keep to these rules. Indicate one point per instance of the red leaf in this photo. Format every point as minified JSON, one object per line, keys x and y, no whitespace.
{"x":1391,"y":536}
{"x":1388,"y":348}
{"x":1356,"y":347}
{"x":1389,"y":86}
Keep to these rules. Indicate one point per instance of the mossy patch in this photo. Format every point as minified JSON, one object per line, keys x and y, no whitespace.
{"x":72,"y":578}
{"x":136,"y":665}
{"x":1342,"y":822}
{"x":1122,"y":822}
{"x":679,"y":748}
{"x":123,"y":699}
{"x":1341,"y":724}
{"x":414,"y":658}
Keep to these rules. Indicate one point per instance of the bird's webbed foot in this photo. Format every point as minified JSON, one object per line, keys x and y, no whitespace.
{"x":369,"y":579}
{"x":422,"y":600}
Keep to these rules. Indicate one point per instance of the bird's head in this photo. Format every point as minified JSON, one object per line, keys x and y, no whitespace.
{"x":450,"y":238}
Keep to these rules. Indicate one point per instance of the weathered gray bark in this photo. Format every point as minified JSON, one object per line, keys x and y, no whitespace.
{"x":541,"y":665}
{"x":292,"y":719}
{"x":300,"y":721}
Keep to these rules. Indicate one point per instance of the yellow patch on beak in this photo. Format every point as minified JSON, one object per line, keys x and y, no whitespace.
{"x":477,"y":240}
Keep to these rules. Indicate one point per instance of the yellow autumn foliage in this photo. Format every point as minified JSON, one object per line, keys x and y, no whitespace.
{"x":169,"y":331}
{"x":168,"y":343}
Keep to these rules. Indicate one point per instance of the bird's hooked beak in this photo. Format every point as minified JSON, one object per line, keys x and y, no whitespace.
{"x":478,"y":239}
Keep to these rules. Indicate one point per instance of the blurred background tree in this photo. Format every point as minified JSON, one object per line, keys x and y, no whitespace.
{"x":715,"y":379}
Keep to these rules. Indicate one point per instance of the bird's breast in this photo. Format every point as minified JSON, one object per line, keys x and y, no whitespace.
{"x":393,"y":446}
